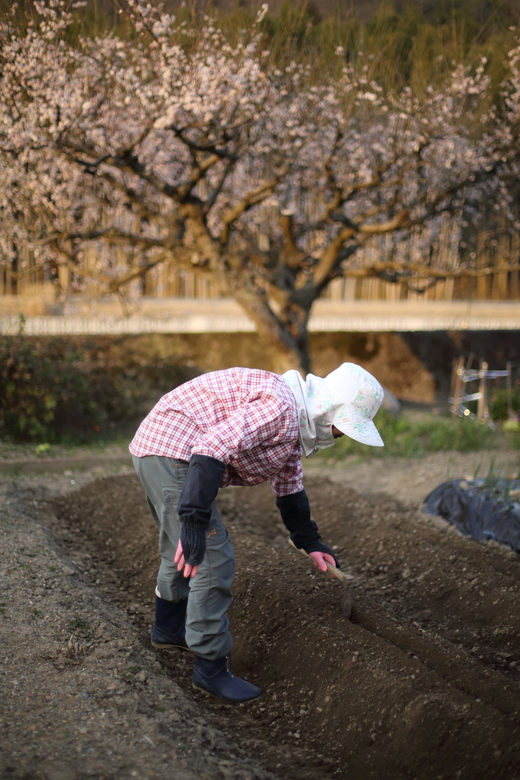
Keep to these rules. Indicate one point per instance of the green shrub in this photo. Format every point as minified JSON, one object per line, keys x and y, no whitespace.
{"x":498,"y":403}
{"x":66,"y":390}
{"x":40,"y":394}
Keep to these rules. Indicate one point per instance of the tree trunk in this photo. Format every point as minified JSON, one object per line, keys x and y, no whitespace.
{"x":286,"y":333}
{"x":284,"y":358}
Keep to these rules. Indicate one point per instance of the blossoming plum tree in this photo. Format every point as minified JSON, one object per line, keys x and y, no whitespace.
{"x":180,"y":146}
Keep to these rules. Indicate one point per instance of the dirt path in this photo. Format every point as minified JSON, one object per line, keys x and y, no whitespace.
{"x":423,"y":683}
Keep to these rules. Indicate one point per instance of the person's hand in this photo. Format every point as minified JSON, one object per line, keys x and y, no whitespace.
{"x":185,"y":568}
{"x":321,"y":559}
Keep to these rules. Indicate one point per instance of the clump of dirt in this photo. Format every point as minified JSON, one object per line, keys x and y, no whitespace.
{"x":423,"y":682}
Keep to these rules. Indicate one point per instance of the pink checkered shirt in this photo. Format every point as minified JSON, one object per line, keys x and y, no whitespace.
{"x":245,"y":418}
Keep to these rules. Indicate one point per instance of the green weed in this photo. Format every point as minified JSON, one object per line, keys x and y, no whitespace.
{"x":39,"y":392}
{"x":128,"y":674}
{"x":80,"y":625}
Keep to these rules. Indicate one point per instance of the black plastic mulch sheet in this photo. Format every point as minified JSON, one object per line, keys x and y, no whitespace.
{"x":482,"y":508}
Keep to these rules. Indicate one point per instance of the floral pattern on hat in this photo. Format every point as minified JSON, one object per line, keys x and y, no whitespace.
{"x":348,"y":398}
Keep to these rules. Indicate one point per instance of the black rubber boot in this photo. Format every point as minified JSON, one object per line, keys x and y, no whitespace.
{"x":169,"y":631}
{"x":215,"y":678}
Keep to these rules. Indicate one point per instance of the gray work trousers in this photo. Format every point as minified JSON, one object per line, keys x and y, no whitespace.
{"x":209,"y":593}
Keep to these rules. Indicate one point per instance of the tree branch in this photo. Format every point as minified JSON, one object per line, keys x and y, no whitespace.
{"x":127,"y":162}
{"x":211,"y":199}
{"x":212,"y":149}
{"x":291,"y":254}
{"x":112,"y":284}
{"x":132,"y":196}
{"x":340,"y":198}
{"x":385,"y":227}
{"x":400,"y":272}
{"x":333,"y":254}
{"x":247,"y":202}
{"x":335,"y":187}
{"x":112,"y":235}
{"x":197,"y":173}
{"x":136,"y":273}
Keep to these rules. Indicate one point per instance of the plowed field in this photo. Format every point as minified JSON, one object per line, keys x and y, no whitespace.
{"x":423,"y":682}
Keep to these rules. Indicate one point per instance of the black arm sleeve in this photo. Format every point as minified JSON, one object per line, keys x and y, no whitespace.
{"x":296,"y":515}
{"x":200,"y":489}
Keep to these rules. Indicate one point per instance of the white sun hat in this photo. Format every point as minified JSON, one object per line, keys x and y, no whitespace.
{"x":348,"y":398}
{"x":361,"y":395}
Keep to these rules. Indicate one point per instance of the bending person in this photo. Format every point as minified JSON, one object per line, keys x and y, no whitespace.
{"x":238,"y":426}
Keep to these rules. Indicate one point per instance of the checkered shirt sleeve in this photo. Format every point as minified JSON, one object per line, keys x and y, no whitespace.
{"x":243,"y":417}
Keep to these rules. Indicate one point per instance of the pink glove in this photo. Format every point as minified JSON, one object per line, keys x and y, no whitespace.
{"x":189,"y":571}
{"x":320,"y":558}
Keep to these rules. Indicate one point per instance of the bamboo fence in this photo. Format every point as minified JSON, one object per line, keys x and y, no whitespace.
{"x":165,"y":281}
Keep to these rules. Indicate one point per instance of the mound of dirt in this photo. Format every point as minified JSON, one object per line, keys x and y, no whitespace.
{"x":424,"y":682}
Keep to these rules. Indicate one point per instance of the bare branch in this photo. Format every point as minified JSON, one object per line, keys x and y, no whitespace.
{"x":291,"y":254}
{"x":127,"y":162}
{"x":212,"y":149}
{"x":334,"y":254}
{"x":211,"y":199}
{"x":336,"y":189}
{"x":400,"y":272}
{"x":132,"y":195}
{"x":385,"y":227}
{"x":19,"y":275}
{"x":376,"y":181}
{"x":329,"y":258}
{"x":111,"y":234}
{"x":197,"y":173}
{"x":113,"y":284}
{"x":247,"y":202}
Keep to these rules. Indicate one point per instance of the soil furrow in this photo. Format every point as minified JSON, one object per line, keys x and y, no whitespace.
{"x":453,"y":665}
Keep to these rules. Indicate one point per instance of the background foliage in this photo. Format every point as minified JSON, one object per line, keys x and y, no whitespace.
{"x":88,"y":389}
{"x":408,"y":436}
{"x":411,"y":42}
{"x":59,"y":390}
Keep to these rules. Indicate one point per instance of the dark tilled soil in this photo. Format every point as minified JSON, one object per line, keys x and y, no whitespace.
{"x":422,"y":684}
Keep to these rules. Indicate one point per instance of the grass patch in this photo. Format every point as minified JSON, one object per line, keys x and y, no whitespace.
{"x":408,"y":437}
